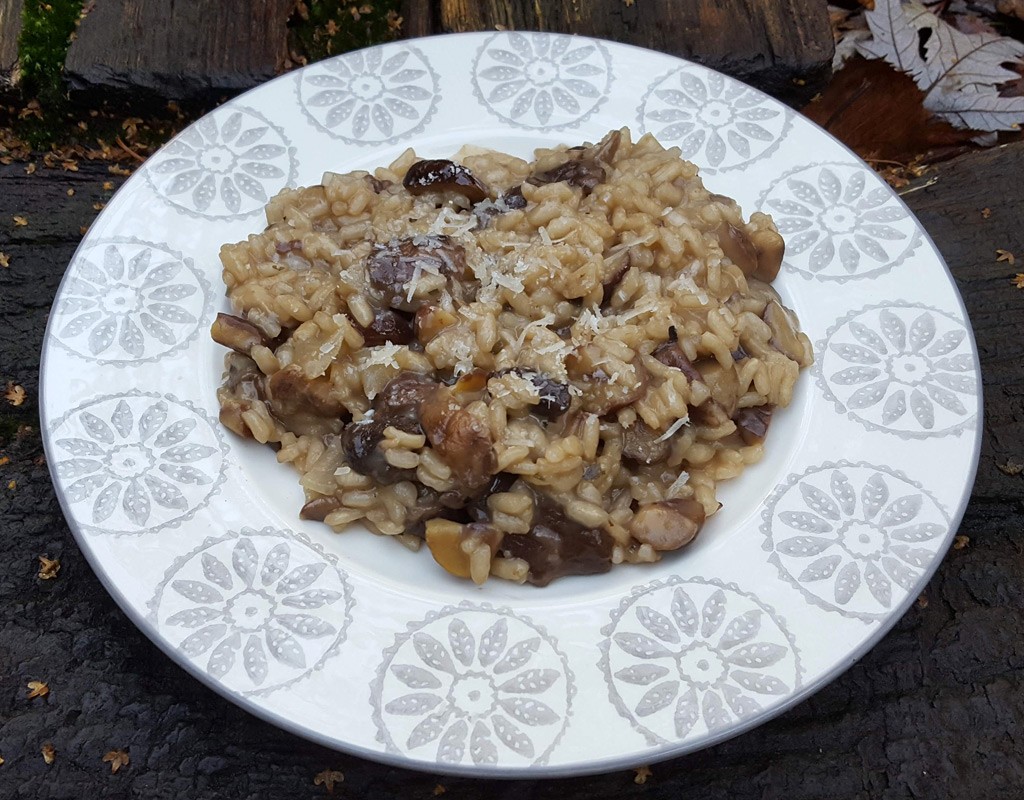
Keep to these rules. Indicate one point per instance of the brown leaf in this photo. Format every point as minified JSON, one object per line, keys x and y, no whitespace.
{"x":5,"y":260}
{"x":643,"y":772}
{"x":1012,"y":8}
{"x":1012,"y":467}
{"x":1007,"y":256}
{"x":116,"y":759}
{"x":30,"y":168}
{"x":328,"y":778}
{"x":986,"y":212}
{"x":48,"y":751}
{"x":878,"y":112}
{"x":19,"y":222}
{"x":960,"y":542}
{"x":37,"y":689}
{"x":48,"y":568}
{"x":440,"y":789}
{"x":15,"y":394}
{"x":1018,"y":280}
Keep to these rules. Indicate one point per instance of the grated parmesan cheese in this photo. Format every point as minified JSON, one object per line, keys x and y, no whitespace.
{"x":673,"y":428}
{"x":384,"y":355}
{"x":673,"y":491}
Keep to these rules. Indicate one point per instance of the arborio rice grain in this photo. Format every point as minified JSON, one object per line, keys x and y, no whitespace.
{"x":539,"y":368}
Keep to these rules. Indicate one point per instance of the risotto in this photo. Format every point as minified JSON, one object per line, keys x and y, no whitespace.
{"x":536,"y":368}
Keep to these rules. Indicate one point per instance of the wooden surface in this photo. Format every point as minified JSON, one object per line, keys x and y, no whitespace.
{"x":934,"y":711}
{"x":10,"y":29}
{"x":782,"y":46}
{"x":193,"y":50}
{"x":179,"y":50}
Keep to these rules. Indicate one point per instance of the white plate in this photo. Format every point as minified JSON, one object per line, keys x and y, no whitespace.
{"x":356,"y":643}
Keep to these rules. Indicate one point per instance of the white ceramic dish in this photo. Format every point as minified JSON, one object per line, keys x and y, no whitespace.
{"x":356,"y":643}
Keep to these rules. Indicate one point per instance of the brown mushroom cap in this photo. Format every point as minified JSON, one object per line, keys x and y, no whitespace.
{"x":461,"y":440}
{"x":668,"y":524}
{"x":234,"y":332}
{"x":601,"y":394}
{"x":442,"y":175}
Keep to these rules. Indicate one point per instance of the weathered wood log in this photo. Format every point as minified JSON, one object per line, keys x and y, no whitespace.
{"x":932,"y":712}
{"x":10,"y":30}
{"x":179,"y":50}
{"x":784,"y":47}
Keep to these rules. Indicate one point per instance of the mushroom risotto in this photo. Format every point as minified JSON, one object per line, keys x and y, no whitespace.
{"x":537,"y":368}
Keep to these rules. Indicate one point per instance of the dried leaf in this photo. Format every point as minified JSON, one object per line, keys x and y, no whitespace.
{"x":960,"y":542}
{"x":960,"y":73}
{"x":1012,"y":467}
{"x":440,"y":789}
{"x":328,"y":778}
{"x":116,"y":759}
{"x":19,"y":222}
{"x":880,"y":114}
{"x":5,"y":260}
{"x":643,"y":772}
{"x":986,"y":212}
{"x":37,"y":689}
{"x":1007,"y":256}
{"x":15,"y":394}
{"x":48,"y":568}
{"x":48,"y":751}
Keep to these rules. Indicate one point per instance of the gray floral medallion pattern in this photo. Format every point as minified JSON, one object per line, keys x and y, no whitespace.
{"x":542,"y":81}
{"x":256,"y":610}
{"x":137,"y":462}
{"x":375,"y":96}
{"x":227,"y":165}
{"x":840,"y":222}
{"x":901,"y":368}
{"x":127,"y":301}
{"x":853,"y":538}
{"x":717,"y":122}
{"x":687,"y":658}
{"x":473,"y":685}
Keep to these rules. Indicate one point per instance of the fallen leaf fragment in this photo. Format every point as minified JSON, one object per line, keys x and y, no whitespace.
{"x":5,"y":260}
{"x":4,"y":461}
{"x":116,"y":759}
{"x":879,"y":113}
{"x":1007,"y":256}
{"x":108,"y":186}
{"x":1018,"y":280}
{"x":986,"y":212}
{"x":643,"y":772}
{"x":12,"y":485}
{"x":1011,"y":467}
{"x":48,"y":568}
{"x":15,"y":394}
{"x":71,"y":192}
{"x":328,"y":778}
{"x":30,"y":168}
{"x":960,"y":542}
{"x":48,"y":751}
{"x":440,"y":789}
{"x":37,"y":689}
{"x":19,"y":222}
{"x":922,"y":601}
{"x":1,"y":761}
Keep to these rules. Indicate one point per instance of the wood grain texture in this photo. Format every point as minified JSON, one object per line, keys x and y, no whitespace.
{"x":932,"y":712}
{"x":784,"y":47}
{"x":10,"y":29}
{"x":417,"y":18}
{"x":177,"y":48}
